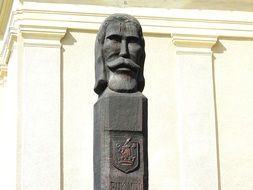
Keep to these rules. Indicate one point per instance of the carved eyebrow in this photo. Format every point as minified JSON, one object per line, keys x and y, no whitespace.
{"x":114,"y":36}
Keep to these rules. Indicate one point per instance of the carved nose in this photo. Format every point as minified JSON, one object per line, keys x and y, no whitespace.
{"x":123,"y":49}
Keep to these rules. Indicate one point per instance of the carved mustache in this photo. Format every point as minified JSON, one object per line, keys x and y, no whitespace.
{"x":123,"y":63}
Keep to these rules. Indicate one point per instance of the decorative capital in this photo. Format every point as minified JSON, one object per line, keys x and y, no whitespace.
{"x":42,"y":35}
{"x":42,"y":32}
{"x":194,"y":43}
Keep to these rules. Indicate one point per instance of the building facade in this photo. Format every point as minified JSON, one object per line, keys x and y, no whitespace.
{"x":198,"y":73}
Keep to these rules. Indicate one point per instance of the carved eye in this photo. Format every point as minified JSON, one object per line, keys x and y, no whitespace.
{"x":114,"y":38}
{"x":133,"y":39}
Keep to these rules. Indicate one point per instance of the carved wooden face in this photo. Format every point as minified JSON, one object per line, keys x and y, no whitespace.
{"x":122,"y":53}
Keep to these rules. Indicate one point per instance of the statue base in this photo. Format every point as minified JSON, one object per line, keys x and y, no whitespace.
{"x":120,"y":142}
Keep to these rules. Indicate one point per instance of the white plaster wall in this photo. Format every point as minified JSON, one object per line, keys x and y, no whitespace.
{"x":233,"y":67}
{"x":79,"y":97}
{"x":8,"y":126}
{"x":233,"y":70}
{"x":39,"y":124}
{"x":233,"y":78}
{"x":160,"y":88}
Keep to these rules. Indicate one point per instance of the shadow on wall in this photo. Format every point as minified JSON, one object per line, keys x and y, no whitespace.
{"x":217,"y":49}
{"x":68,"y":39}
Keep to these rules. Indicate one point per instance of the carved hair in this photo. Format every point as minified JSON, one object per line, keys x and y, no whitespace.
{"x":100,"y":71}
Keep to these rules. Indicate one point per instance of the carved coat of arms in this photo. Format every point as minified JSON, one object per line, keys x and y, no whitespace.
{"x":125,"y":155}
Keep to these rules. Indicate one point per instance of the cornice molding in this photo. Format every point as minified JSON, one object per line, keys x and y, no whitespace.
{"x":49,"y":21}
{"x":5,"y":10}
{"x":153,"y":20}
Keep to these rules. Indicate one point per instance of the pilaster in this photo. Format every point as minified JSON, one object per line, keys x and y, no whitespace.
{"x":196,"y":108}
{"x":8,"y":118}
{"x":3,"y":73}
{"x":40,"y":111}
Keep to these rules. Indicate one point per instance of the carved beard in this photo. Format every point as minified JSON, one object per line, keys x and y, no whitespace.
{"x":123,"y":81}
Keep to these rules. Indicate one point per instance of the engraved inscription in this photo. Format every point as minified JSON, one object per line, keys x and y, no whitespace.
{"x":126,"y":185}
{"x":125,"y":154}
